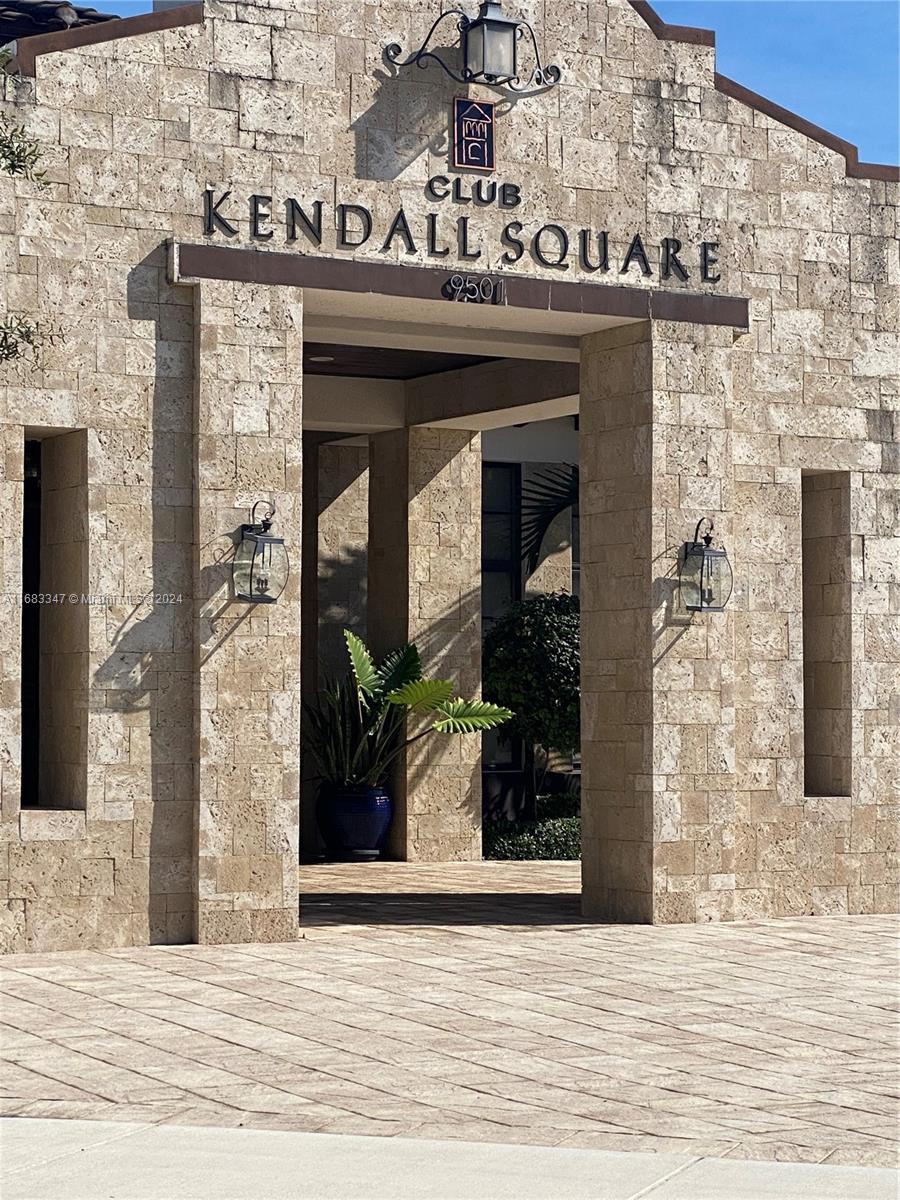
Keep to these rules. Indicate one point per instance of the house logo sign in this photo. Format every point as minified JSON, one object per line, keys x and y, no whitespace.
{"x":473,"y":135}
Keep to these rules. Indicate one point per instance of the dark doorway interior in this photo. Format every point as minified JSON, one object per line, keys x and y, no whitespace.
{"x":31,"y":623}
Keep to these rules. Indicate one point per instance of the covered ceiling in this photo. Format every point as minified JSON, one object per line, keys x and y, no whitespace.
{"x":379,"y":362}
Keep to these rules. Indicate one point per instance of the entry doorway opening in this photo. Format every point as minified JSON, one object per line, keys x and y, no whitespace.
{"x":356,"y":401}
{"x":531,"y":662}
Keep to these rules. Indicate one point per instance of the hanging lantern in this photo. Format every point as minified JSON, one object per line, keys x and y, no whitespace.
{"x":706,"y":578}
{"x":488,"y":49}
{"x":260,"y":567}
{"x":489,"y":46}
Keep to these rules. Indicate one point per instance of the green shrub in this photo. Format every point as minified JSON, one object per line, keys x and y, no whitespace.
{"x":564,"y":804}
{"x":552,"y":838}
{"x":531,"y":665}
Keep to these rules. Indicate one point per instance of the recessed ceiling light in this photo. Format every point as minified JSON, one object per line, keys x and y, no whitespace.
{"x":320,"y":358}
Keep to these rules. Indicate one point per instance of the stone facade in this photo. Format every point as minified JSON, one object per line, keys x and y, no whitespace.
{"x":174,"y":809}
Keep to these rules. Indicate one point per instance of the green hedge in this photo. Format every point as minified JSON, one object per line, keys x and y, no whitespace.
{"x":553,"y":837}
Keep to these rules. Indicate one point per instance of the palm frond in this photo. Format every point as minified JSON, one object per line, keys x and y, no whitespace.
{"x":469,"y":716}
{"x":543,"y":498}
{"x":423,"y":695}
{"x":399,"y":668}
{"x":361,"y":660}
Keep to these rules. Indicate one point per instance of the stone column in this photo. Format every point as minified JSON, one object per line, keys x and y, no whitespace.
{"x":425,"y":587}
{"x":658,"y":801}
{"x":248,"y":441}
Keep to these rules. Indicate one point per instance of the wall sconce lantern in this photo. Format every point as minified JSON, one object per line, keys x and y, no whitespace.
{"x":706,"y":578}
{"x":260,"y":567}
{"x":489,"y":50}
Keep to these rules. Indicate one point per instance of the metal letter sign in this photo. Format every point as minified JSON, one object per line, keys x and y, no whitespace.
{"x":473,"y":134}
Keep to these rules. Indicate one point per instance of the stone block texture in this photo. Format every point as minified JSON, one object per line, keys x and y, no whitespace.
{"x":247,"y":719}
{"x":178,"y":820}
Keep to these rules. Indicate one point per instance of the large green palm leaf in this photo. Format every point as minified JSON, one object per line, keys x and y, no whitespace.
{"x":469,"y":716}
{"x":400,"y":668}
{"x":423,"y":695}
{"x":364,"y":671}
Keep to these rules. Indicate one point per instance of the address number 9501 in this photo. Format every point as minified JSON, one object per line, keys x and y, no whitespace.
{"x":468,"y":289}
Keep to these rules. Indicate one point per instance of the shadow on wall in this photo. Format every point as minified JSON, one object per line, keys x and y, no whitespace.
{"x":407,"y":119}
{"x":146,"y":679}
{"x":410,"y":114}
{"x":334,"y":584}
{"x":672,"y":620}
{"x":342,"y":605}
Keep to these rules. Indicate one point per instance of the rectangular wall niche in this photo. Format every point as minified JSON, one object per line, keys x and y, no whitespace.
{"x":826,"y":634}
{"x":55,"y":635}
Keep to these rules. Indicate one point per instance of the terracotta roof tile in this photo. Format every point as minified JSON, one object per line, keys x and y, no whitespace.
{"x":24,"y":18}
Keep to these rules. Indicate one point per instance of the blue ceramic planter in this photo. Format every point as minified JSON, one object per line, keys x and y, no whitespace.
{"x":354,"y":821}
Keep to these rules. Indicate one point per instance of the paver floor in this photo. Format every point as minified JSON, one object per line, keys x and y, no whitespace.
{"x":470,"y":1002}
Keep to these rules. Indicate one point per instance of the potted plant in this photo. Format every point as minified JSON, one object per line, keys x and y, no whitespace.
{"x":357,"y":730}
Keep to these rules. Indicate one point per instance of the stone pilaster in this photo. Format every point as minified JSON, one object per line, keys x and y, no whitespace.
{"x":425,"y":587}
{"x":658,"y":717}
{"x":248,"y":412}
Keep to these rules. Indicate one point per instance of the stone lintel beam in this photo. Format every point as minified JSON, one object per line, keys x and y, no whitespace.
{"x":494,"y":393}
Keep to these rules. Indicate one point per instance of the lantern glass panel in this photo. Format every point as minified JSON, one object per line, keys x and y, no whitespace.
{"x":500,"y":49}
{"x":691,"y":573}
{"x":490,"y":44}
{"x":240,"y":566}
{"x":474,"y":50}
{"x":715,"y":585}
{"x":706,"y":578}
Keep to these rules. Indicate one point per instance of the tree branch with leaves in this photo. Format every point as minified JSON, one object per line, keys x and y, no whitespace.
{"x":19,"y":159}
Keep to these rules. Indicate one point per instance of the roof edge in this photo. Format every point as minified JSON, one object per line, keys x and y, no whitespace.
{"x":737,"y":91}
{"x":672,"y":33}
{"x":855,"y":168}
{"x":28,"y":49}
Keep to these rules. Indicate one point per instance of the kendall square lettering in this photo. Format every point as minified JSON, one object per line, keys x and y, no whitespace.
{"x":445,"y":234}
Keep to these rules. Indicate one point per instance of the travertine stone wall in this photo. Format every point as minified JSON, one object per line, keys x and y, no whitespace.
{"x":119,"y":871}
{"x":270,"y":100}
{"x":247,"y":725}
{"x":658,"y":746}
{"x":425,"y":587}
{"x":617,"y":799}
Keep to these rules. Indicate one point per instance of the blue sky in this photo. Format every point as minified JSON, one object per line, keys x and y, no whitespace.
{"x":834,"y":62}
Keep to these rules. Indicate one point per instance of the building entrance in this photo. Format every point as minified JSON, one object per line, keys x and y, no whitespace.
{"x":437,"y":577}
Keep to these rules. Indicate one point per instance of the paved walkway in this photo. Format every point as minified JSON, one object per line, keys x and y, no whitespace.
{"x":407,"y":1011}
{"x":84,"y":1160}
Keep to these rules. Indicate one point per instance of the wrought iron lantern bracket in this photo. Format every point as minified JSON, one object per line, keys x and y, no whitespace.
{"x":541,"y":77}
